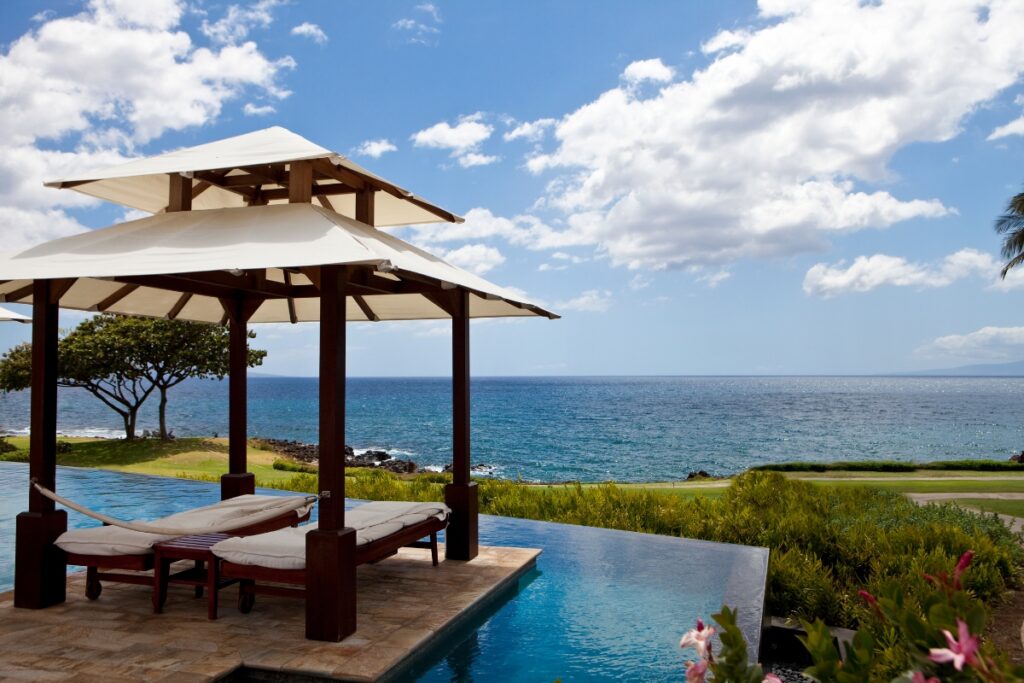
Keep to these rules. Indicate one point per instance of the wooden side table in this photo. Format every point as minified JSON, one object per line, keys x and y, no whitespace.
{"x":204,"y":574}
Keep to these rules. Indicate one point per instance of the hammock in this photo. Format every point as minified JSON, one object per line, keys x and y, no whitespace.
{"x":265,"y":515}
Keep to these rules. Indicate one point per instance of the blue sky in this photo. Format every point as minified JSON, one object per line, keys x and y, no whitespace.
{"x":699,"y":188}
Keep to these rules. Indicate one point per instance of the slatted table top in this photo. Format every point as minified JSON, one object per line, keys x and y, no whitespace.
{"x":185,"y":547}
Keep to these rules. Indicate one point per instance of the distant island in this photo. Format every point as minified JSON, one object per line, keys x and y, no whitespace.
{"x":1011,"y":369}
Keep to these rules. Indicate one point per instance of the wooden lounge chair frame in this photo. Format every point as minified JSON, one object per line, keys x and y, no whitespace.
{"x":141,"y":563}
{"x":254,"y":579}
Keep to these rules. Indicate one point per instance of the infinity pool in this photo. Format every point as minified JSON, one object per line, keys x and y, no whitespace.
{"x":602,"y":604}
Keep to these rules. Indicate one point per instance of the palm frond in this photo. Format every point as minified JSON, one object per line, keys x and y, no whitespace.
{"x":1012,"y":263}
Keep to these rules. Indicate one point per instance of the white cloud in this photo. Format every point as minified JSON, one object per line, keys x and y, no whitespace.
{"x":640,"y":281}
{"x":523,"y":230}
{"x":987,"y":343}
{"x":648,"y":70}
{"x":784,"y":140}
{"x":465,"y":135}
{"x":591,"y":301}
{"x":115,"y":75}
{"x":236,"y":23}
{"x":101,"y":68}
{"x":251,"y":109}
{"x":310,"y":30}
{"x":421,"y":32}
{"x":375,"y":148}
{"x":462,"y":140}
{"x":869,"y":272}
{"x":432,"y":10}
{"x":530,"y":130}
{"x":476,"y":258}
{"x":470,"y":159}
{"x":725,"y":40}
{"x":156,"y":14}
{"x":23,"y":228}
{"x":1015,"y":127}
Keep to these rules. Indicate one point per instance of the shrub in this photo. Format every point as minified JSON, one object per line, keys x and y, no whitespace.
{"x":292,"y":466}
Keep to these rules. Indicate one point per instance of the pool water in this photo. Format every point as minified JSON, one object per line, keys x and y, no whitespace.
{"x":601,"y":605}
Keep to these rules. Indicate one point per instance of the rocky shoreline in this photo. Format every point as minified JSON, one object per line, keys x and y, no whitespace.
{"x":310,"y":453}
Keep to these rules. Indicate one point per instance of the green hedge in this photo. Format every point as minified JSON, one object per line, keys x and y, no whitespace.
{"x":893,"y":466}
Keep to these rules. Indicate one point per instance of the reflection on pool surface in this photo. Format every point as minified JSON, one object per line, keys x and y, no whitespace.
{"x":602,"y":605}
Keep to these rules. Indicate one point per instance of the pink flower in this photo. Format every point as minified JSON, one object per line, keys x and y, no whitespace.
{"x":772,"y":678}
{"x":959,"y":652}
{"x":696,"y":672}
{"x":961,"y":566}
{"x":918,"y":677}
{"x":698,"y":638}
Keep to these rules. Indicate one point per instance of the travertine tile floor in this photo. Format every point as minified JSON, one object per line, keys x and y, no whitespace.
{"x":403,"y":603}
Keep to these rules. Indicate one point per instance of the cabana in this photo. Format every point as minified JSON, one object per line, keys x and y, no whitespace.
{"x":236,"y":238}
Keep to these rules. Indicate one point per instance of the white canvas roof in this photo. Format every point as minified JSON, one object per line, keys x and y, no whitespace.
{"x":144,"y":183}
{"x":278,"y":240}
{"x":9,"y":315}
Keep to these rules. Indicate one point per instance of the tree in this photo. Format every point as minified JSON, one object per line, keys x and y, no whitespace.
{"x":122,"y":360}
{"x":1011,"y":225}
{"x":176,"y":350}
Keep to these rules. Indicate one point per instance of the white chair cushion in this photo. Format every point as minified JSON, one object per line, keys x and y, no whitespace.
{"x":112,"y":540}
{"x":286,"y":548}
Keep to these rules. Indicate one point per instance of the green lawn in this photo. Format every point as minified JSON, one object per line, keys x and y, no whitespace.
{"x":1014,"y":485}
{"x":207,"y":458}
{"x":193,"y":456}
{"x":1014,"y":508}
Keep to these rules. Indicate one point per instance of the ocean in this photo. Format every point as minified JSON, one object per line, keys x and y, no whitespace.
{"x":601,"y":428}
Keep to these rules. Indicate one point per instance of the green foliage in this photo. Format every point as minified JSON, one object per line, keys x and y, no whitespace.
{"x":292,"y":466}
{"x":828,"y":667}
{"x":121,"y":360}
{"x":934,"y":637}
{"x":894,"y":466}
{"x":1011,"y":226}
{"x":731,"y":664}
{"x":6,"y":446}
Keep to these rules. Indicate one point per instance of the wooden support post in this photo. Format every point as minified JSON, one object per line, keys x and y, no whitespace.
{"x":238,"y":481}
{"x":300,"y":182}
{"x":180,"y":193}
{"x":462,"y":536}
{"x":39,"y":566}
{"x":331,"y":549}
{"x":364,"y":206}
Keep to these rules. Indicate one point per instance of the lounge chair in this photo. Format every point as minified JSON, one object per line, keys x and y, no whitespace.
{"x":112,"y":547}
{"x":279,"y":557}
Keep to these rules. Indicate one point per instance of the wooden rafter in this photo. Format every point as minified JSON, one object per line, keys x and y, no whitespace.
{"x":365,"y":308}
{"x":179,"y":305}
{"x":115,"y":297}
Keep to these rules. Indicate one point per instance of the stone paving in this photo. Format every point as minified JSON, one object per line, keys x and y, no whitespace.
{"x":403,"y":603}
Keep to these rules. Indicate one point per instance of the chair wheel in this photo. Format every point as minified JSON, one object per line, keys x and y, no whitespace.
{"x":93,"y":588}
{"x":245,"y":601}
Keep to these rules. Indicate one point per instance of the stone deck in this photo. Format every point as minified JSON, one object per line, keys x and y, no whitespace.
{"x":404,"y":604}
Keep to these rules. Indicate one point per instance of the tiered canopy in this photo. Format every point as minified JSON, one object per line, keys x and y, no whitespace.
{"x":10,"y":316}
{"x":182,"y":262}
{"x":253,"y":169}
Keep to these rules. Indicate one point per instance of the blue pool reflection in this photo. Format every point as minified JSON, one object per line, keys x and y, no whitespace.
{"x":602,"y":604}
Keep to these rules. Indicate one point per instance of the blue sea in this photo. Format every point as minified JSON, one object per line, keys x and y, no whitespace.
{"x":599,"y":428}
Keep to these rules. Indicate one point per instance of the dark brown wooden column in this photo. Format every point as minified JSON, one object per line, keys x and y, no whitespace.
{"x":331,"y":549}
{"x":462,"y":536}
{"x":39,"y":566}
{"x":238,"y":481}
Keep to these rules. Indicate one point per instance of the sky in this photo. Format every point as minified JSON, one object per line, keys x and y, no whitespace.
{"x":781,"y":187}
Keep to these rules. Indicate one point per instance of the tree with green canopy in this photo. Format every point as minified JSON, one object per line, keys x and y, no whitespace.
{"x":1011,"y":225}
{"x":122,"y":360}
